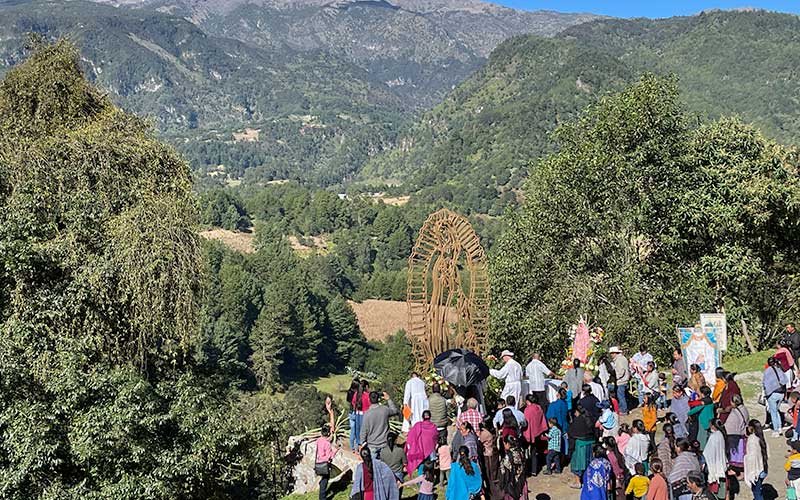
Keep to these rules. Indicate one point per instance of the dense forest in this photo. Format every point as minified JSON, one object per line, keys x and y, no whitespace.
{"x":365,"y":242}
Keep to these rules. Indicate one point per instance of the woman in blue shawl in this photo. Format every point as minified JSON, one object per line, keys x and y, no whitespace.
{"x":465,"y":478}
{"x":374,"y":480}
{"x":558,"y":410}
{"x":597,"y":478}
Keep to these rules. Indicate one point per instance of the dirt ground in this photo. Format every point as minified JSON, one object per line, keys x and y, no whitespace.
{"x":235,"y":240}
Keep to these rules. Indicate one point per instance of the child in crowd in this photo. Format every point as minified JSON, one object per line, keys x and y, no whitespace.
{"x":622,"y":437}
{"x":445,"y":460}
{"x":639,"y":483}
{"x":569,"y":396}
{"x":426,"y":480}
{"x":792,"y":467}
{"x":608,"y":422}
{"x":658,"y":488}
{"x":663,"y":389}
{"x":614,"y":402}
{"x":553,"y":459}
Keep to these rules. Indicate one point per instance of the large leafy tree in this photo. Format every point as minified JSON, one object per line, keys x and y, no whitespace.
{"x":642,"y":220}
{"x":100,"y":285}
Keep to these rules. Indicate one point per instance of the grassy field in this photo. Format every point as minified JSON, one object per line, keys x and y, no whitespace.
{"x":336,"y":385}
{"x":340,"y":491}
{"x":750,"y":363}
{"x":749,"y":368}
{"x":380,"y":318}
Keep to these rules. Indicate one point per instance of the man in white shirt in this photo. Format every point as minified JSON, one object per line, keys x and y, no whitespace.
{"x":623,"y":375}
{"x":537,"y":372}
{"x":416,"y":399}
{"x":599,"y":391}
{"x":639,"y":367}
{"x":512,"y":374}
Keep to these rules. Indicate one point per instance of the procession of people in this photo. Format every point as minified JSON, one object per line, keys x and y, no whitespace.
{"x":691,"y":438}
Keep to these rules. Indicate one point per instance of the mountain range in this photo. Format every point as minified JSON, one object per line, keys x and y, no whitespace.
{"x":321,"y":86}
{"x":475,"y":149}
{"x":452,"y":101}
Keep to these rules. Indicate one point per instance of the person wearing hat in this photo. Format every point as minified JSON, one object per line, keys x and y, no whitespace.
{"x":608,"y":423}
{"x":512,"y":374}
{"x":623,"y":373}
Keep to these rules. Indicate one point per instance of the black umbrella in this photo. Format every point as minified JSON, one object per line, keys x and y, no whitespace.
{"x":461,"y":367}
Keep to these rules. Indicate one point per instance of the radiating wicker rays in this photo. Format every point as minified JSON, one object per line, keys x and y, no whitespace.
{"x":448,"y":288}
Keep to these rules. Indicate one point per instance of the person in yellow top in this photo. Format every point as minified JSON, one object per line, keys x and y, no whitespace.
{"x":639,"y":484}
{"x":792,"y":467}
{"x":719,"y":386}
{"x":650,"y":417}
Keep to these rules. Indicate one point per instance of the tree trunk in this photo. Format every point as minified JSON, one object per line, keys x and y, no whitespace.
{"x":747,"y":337}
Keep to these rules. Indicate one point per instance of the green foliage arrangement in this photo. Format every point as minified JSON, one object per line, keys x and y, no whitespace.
{"x":642,"y":220}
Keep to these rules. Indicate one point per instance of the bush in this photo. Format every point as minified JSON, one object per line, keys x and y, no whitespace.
{"x":306,"y":404}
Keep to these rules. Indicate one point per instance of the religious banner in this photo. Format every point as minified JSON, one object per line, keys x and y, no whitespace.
{"x":717,"y":324}
{"x":700,"y":347}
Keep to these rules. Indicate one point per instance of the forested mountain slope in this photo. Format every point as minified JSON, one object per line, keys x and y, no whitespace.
{"x":321,"y":86}
{"x":476,"y":147}
{"x":200,"y":88}
{"x":419,"y":48}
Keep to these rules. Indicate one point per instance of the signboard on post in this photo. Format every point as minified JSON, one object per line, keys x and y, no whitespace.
{"x":700,"y":347}
{"x":717,"y":325}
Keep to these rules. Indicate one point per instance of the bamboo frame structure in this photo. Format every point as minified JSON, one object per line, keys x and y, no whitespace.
{"x":447,"y":289}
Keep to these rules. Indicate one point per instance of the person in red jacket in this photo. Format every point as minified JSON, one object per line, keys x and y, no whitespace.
{"x":537,"y":427}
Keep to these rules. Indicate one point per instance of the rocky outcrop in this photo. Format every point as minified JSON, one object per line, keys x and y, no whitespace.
{"x":305,"y":479}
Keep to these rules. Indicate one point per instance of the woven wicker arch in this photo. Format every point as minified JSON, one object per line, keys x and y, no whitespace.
{"x":448,"y":288}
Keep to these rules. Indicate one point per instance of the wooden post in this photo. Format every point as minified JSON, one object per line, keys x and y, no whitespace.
{"x":747,"y":337}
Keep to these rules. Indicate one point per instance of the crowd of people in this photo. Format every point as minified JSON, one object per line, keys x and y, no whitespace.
{"x":694,"y":438}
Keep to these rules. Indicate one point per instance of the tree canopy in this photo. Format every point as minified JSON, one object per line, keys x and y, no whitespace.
{"x":100,"y":293}
{"x":642,"y":220}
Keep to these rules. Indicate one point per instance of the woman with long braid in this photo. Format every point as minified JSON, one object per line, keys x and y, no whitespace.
{"x":465,"y":478}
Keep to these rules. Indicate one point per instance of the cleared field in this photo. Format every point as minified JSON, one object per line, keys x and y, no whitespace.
{"x":380,"y":318}
{"x":318,"y":245}
{"x":397,"y":201}
{"x":240,"y":242}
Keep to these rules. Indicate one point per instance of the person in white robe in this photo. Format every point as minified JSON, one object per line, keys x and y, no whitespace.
{"x":512,"y":374}
{"x":416,"y":399}
{"x":638,"y":447}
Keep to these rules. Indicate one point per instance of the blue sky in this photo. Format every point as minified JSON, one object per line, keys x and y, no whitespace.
{"x":648,"y":8}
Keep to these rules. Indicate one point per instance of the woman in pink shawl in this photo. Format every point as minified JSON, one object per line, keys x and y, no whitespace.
{"x":537,"y":425}
{"x":421,"y":442}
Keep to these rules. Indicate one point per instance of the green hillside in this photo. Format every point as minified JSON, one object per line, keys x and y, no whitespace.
{"x":325,"y":85}
{"x":476,"y":147}
{"x":309,"y":107}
